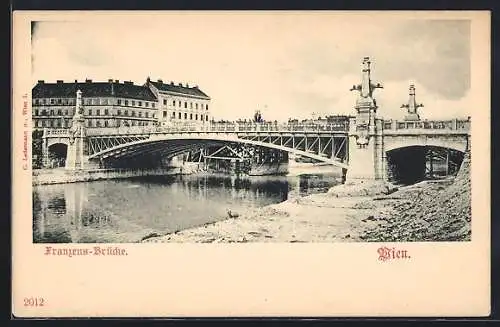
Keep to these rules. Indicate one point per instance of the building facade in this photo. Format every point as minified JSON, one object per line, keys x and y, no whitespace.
{"x":115,"y":104}
{"x":180,"y":103}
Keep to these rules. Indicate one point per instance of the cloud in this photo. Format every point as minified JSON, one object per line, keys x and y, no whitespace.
{"x":287,"y":65}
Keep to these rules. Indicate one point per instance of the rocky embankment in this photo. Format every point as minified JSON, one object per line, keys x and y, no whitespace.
{"x":358,"y":212}
{"x":428,"y":211}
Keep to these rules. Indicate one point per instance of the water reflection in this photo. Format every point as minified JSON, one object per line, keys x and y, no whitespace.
{"x":127,"y":210}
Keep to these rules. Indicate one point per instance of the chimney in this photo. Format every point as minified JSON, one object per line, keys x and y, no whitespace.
{"x":187,"y":85}
{"x":41,"y":81}
{"x":180,"y":84}
{"x":110,"y":80}
{"x":171,"y":82}
{"x":128,"y":82}
{"x":59,"y":81}
{"x":76,"y":81}
{"x":117,"y":81}
{"x":148,"y":80}
{"x":160,"y":81}
{"x":88,"y":81}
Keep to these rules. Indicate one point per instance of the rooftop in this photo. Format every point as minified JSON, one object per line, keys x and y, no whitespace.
{"x":179,"y":88}
{"x":111,"y":88}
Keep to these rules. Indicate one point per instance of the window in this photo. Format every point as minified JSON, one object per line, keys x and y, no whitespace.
{"x":104,"y":101}
{"x":206,"y":106}
{"x":185,"y":104}
{"x":190,"y":105}
{"x":173,"y":114}
{"x":44,"y":112}
{"x":147,"y":114}
{"x":153,"y":104}
{"x":36,"y":112}
{"x":52,"y":101}
{"x":173,"y":103}
{"x":140,"y":103}
{"x":98,"y":112}
{"x":106,"y":112}
{"x":165,"y":102}
{"x":95,"y":101}
{"x":201,"y":117}
{"x":59,"y":101}
{"x":126,"y":102}
{"x":44,"y":101}
{"x":59,"y":112}
{"x":133,"y":102}
{"x":126,"y":112}
{"x":52,"y":112}
{"x":196,"y":106}
{"x":206,"y":118}
{"x":35,"y":101}
{"x":119,"y":101}
{"x":140,"y":113}
{"x":164,"y":114}
{"x":196,"y":116}
{"x":180,"y":115}
{"x":119,"y":112}
{"x":133,"y":113}
{"x":190,"y":116}
{"x":88,"y":101}
{"x":66,"y":112}
{"x":185,"y":115}
{"x":133,"y":122}
{"x":90,"y":112}
{"x":147,"y":104}
{"x":105,"y":123}
{"x":98,"y":123}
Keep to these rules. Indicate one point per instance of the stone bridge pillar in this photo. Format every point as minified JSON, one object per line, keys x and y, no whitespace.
{"x":366,"y":153}
{"x":75,"y":155}
{"x":45,"y":149}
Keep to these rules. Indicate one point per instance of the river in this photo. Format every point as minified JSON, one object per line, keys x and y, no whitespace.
{"x":124,"y":211}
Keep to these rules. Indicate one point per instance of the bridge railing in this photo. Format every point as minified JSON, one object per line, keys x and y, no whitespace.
{"x":226,"y":127}
{"x":452,"y":125}
{"x":56,"y":132}
{"x":234,"y":127}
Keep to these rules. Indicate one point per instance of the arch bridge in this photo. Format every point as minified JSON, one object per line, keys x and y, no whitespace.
{"x":333,"y":143}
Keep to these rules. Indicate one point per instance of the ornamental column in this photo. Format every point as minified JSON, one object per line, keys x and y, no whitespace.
{"x":365,"y":132}
{"x":75,"y":155}
{"x":412,"y":106}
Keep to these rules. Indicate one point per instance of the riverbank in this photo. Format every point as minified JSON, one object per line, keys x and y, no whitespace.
{"x":426,"y":211}
{"x":63,"y":176}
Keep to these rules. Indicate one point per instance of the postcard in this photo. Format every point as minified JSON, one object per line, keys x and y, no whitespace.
{"x":251,"y":164}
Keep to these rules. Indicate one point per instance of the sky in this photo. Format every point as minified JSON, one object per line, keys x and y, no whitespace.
{"x":288,"y":65}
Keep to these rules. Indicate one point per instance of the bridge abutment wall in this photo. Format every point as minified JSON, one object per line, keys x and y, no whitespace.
{"x":367,"y":162}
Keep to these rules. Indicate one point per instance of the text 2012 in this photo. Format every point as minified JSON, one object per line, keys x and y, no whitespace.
{"x":34,"y":302}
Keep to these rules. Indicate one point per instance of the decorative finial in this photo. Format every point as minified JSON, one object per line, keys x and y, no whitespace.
{"x":412,"y":105}
{"x":366,"y":87}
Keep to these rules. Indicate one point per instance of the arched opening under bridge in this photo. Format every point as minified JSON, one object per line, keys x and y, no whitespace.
{"x":57,"y":155}
{"x":412,"y":164}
